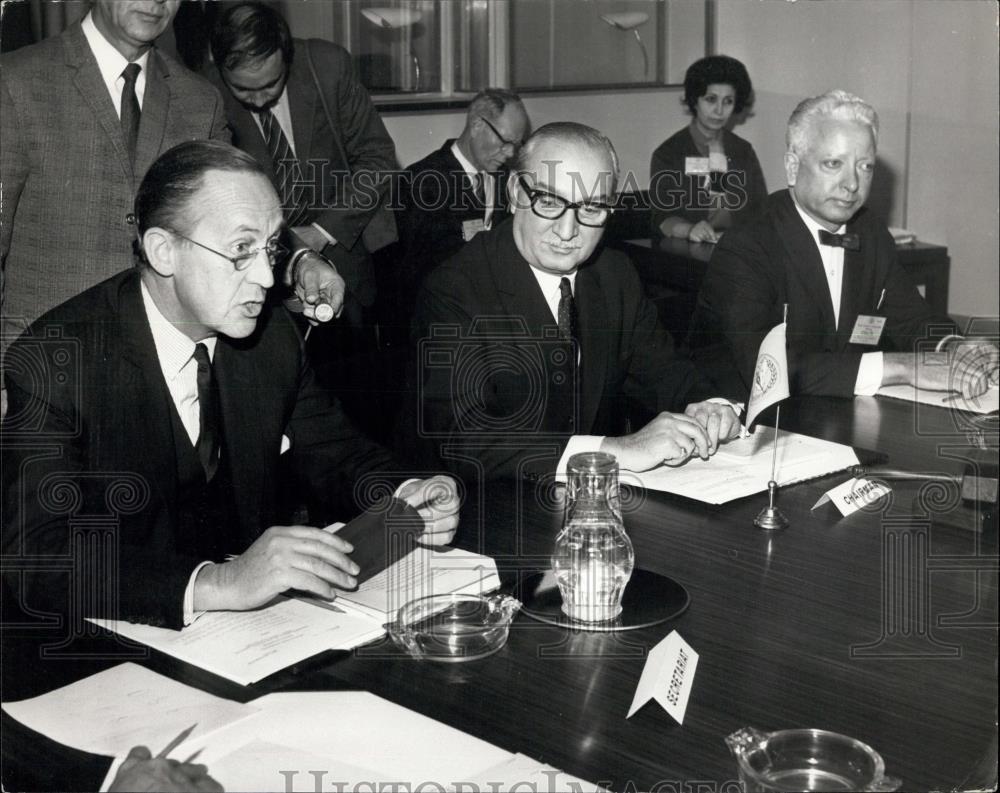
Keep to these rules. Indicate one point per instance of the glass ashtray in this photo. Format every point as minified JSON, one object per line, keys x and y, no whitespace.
{"x":452,"y":628}
{"x":798,"y":760}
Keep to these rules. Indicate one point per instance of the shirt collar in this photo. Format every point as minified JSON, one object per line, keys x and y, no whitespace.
{"x":173,"y":348}
{"x":469,"y":168}
{"x":811,"y":224}
{"x":110,"y":61}
{"x":549,"y":282}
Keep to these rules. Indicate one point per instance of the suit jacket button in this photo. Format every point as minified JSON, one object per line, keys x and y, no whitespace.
{"x":130,"y":218}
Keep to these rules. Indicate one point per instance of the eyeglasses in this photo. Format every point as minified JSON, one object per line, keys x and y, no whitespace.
{"x":552,"y":207}
{"x":241,"y":261}
{"x":514,"y":144}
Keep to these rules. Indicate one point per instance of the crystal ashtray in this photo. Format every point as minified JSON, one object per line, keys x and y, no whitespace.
{"x":454,"y":627}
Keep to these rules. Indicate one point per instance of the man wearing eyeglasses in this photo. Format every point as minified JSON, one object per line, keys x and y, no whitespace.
{"x":457,"y":191}
{"x":162,"y":400}
{"x":534,"y":342}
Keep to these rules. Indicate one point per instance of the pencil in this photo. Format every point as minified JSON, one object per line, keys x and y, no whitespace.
{"x":177,"y":741}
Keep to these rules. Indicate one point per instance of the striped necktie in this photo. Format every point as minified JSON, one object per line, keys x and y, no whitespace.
{"x":285,"y":165}
{"x":567,"y":310}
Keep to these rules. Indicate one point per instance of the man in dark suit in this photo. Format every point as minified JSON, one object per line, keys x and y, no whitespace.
{"x":854,"y":316}
{"x":457,"y":191}
{"x":299,"y":109}
{"x":82,"y":116}
{"x":533,"y":342}
{"x":156,"y":405}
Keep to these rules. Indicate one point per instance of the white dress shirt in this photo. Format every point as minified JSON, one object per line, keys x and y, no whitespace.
{"x":112,"y":63}
{"x":869,"y":378}
{"x":489,"y":190}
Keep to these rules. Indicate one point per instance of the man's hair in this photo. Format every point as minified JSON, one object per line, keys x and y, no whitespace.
{"x":838,"y":105}
{"x":176,"y":176}
{"x":713,"y":70}
{"x":567,"y":133}
{"x":249,"y":32}
{"x":491,"y":102}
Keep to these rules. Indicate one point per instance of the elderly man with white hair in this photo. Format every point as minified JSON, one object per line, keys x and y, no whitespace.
{"x":855,"y":320}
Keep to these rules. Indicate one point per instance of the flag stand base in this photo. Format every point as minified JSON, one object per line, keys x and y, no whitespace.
{"x":771,"y":518}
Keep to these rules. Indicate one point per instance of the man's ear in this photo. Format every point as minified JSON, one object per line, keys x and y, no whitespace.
{"x":791,"y":167}
{"x":161,"y":252}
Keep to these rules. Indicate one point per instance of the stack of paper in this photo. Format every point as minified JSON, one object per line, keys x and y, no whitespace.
{"x":743,"y":467}
{"x":247,"y":646}
{"x":299,"y":741}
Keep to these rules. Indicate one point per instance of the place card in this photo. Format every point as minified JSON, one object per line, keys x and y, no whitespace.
{"x":667,"y":677}
{"x":854,"y":494}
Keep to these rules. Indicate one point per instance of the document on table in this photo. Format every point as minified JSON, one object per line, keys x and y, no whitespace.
{"x":743,"y":467}
{"x":423,"y":572}
{"x":247,"y":646}
{"x":125,"y":706}
{"x":985,"y":403}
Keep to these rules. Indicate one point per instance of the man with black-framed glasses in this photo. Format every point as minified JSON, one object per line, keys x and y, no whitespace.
{"x":164,"y":398}
{"x":535,"y":342}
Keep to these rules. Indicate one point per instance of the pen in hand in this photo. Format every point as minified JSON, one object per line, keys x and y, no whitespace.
{"x":177,"y":741}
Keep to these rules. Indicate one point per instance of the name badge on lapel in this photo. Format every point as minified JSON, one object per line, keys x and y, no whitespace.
{"x":867,"y":330}
{"x":696,"y":166}
{"x":470,"y":228}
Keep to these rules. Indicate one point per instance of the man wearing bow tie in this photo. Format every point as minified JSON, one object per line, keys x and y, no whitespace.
{"x":854,"y":317}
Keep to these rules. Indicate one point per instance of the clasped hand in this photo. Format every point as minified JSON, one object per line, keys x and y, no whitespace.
{"x":672,"y":438}
{"x":316,"y":280}
{"x":313,"y":560}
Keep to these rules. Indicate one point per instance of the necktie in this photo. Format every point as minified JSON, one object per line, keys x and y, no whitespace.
{"x":284,"y":163}
{"x":130,"y":109}
{"x":849,"y":242}
{"x":567,"y":310}
{"x":208,"y":413}
{"x":477,"y":187}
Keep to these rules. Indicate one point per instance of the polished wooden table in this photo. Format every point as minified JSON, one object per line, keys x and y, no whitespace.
{"x":882,"y":625}
{"x":680,"y":265}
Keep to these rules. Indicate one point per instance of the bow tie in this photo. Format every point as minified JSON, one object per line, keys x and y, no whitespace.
{"x":849,"y":242}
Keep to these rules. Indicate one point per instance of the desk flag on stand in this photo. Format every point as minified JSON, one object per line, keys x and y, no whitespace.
{"x":770,"y":376}
{"x":770,"y":385}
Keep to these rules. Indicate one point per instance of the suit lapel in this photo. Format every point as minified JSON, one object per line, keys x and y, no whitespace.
{"x":143,"y":396}
{"x":302,"y":100}
{"x":857,"y":288}
{"x":807,"y":269}
{"x":595,"y":343}
{"x":153,"y":118}
{"x":239,"y":379}
{"x":517,"y":287}
{"x":90,"y":84}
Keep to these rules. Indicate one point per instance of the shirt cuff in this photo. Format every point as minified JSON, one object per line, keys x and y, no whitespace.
{"x":577,"y":444}
{"x":190,"y":615}
{"x":329,"y":237}
{"x":869,"y":375}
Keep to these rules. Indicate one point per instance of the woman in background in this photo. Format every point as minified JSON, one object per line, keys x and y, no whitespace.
{"x":704,"y":179}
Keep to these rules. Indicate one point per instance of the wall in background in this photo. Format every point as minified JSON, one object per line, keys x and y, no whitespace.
{"x":928,"y":67}
{"x":930,"y":70}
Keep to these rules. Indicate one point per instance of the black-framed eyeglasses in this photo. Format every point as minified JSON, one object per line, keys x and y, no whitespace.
{"x":552,"y":207}
{"x":514,"y":144}
{"x":275,"y":251}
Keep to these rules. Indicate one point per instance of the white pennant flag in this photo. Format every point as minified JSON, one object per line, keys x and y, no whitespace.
{"x":770,"y":375}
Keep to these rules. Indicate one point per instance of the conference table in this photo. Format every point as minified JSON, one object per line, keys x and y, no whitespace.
{"x":881,"y":625}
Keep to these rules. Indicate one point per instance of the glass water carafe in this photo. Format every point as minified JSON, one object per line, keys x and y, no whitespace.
{"x":593,"y":556}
